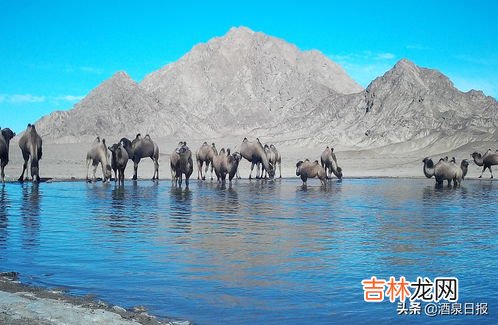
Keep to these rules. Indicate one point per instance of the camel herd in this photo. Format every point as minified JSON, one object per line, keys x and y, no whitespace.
{"x":223,"y":163}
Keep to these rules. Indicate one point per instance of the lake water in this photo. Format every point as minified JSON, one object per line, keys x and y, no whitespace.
{"x":258,"y":252}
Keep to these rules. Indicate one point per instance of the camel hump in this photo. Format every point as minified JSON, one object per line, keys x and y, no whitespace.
{"x":138,"y":136}
{"x":147,"y":136}
{"x":245,"y":140}
{"x":205,"y":143}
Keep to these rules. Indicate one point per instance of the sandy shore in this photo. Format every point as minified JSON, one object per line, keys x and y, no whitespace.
{"x":22,"y":304}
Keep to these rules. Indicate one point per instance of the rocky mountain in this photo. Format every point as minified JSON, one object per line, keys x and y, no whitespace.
{"x":249,"y":84}
{"x":415,"y":106}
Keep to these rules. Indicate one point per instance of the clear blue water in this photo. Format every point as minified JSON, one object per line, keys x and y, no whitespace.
{"x":259,"y":252}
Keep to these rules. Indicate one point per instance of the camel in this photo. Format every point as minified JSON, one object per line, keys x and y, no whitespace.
{"x":445,"y":170}
{"x":98,"y":155}
{"x":307,"y":169}
{"x":205,"y":154}
{"x":119,"y":160}
{"x":278,"y":159}
{"x":5,"y":136}
{"x":272,"y":158}
{"x":255,"y":153}
{"x":142,"y":148}
{"x":31,"y":148}
{"x":461,"y":171}
{"x":489,"y":159}
{"x":329,"y":163}
{"x":174,"y":160}
{"x":220,"y":165}
{"x":233,"y":165}
{"x":184,"y":164}
{"x":226,"y":164}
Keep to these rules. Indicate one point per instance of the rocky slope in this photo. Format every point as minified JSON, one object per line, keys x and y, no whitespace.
{"x":250,"y":84}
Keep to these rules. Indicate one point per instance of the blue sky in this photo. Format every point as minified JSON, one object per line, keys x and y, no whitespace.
{"x":53,"y":53}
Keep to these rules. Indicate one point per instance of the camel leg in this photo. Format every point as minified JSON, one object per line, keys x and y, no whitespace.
{"x":257,"y":171}
{"x":490,"y":171}
{"x":280,"y":169}
{"x":2,"y":173}
{"x":24,"y":166}
{"x":199,"y":169}
{"x":206,"y":168}
{"x":252,"y":167}
{"x":156,"y":169}
{"x":483,"y":169}
{"x":135,"y":170}
{"x":186,"y":181}
{"x":94,"y":171}
{"x":88,"y":162}
{"x":104,"y":178}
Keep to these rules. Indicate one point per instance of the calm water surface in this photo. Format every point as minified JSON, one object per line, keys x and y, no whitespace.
{"x":259,"y":252}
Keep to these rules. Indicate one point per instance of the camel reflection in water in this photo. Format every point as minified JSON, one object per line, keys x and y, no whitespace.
{"x":30,"y":211}
{"x":4,"y":217}
{"x":180,"y":209}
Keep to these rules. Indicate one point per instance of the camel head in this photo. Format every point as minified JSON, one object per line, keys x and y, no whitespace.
{"x":475,"y":155}
{"x":453,"y":160}
{"x":428,"y":162}
{"x":182,"y":150}
{"x":237,"y":156}
{"x":446,"y":158}
{"x":338,"y":173}
{"x":108,"y":172}
{"x":126,"y":144}
{"x":464,"y":165}
{"x":212,"y":145}
{"x":298,"y":167}
{"x":113,"y":148}
{"x":8,"y":134}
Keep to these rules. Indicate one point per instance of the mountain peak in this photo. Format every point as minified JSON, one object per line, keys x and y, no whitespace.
{"x":241,"y":30}
{"x":121,"y":75}
{"x":404,"y":63}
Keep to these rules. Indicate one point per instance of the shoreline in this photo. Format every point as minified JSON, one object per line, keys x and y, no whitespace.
{"x":26,"y":304}
{"x":99,"y":179}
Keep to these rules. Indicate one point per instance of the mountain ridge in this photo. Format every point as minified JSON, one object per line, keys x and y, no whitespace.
{"x":246,"y":83}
